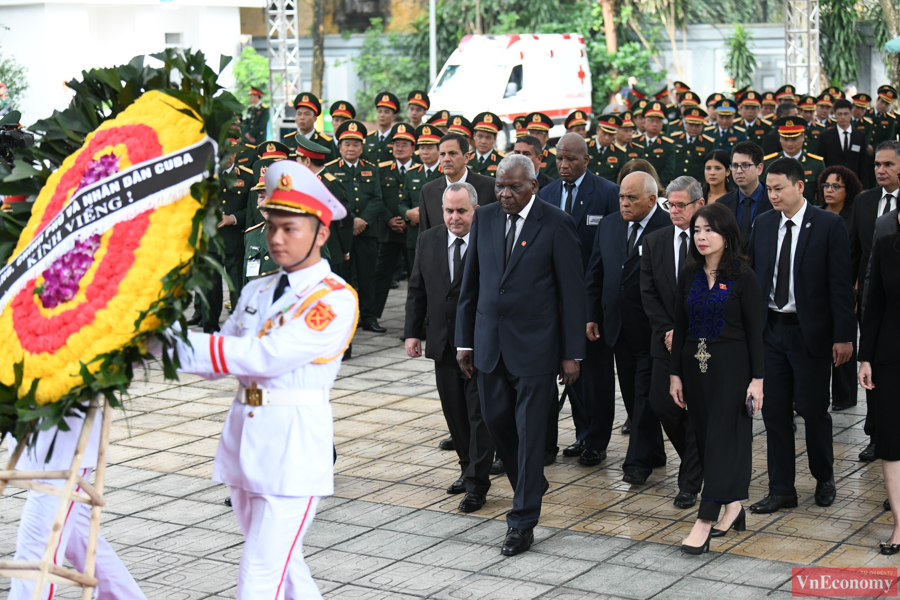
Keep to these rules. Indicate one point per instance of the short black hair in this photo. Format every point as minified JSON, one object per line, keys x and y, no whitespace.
{"x":842,"y":103}
{"x":789,"y":167}
{"x":889,"y":145}
{"x":461,"y":140}
{"x":784,"y":108}
{"x":749,"y":149}
{"x":533,"y":142}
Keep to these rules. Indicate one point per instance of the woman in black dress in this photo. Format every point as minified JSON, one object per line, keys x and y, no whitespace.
{"x":879,"y":369}
{"x":717,"y":366}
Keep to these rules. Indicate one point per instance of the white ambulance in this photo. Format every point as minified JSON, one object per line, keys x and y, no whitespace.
{"x":513,"y":75}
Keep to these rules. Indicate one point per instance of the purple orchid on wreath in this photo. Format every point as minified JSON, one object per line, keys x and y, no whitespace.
{"x":62,"y":278}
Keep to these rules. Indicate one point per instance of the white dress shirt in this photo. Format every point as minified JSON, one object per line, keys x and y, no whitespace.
{"x":643,"y":223}
{"x":461,"y":179}
{"x":841,"y":133}
{"x":881,"y":202}
{"x":523,"y":214}
{"x":451,"y":242}
{"x":479,"y":155}
{"x":407,"y":165}
{"x":677,"y":245}
{"x":650,"y":140}
{"x":562,"y":199}
{"x":797,"y":220}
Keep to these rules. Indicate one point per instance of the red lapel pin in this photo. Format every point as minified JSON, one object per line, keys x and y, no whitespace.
{"x":523,"y":242}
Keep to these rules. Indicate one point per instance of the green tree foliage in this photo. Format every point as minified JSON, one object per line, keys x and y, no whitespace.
{"x":250,"y":69}
{"x":740,"y":63}
{"x":841,"y":39}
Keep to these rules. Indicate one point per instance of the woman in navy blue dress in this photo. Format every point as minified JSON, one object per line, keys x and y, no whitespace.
{"x":717,"y":365}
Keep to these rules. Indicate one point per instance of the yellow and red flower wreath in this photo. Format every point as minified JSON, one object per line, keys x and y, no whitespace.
{"x":129,"y":266}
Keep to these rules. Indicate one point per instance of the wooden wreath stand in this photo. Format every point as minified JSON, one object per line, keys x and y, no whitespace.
{"x":45,"y":571}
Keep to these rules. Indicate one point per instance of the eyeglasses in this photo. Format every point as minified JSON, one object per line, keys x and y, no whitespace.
{"x":679,"y":205}
{"x":742,"y":166}
{"x":832,"y":186}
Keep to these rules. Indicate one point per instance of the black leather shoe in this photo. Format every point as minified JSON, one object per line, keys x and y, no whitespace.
{"x":517,"y":542}
{"x":590,"y":458}
{"x":886,"y":504}
{"x":447,"y":444}
{"x":771,"y":503}
{"x":348,"y":353}
{"x":497,"y":467}
{"x":395,"y":285}
{"x":472,"y":502}
{"x":574,"y":450}
{"x":633,"y":477}
{"x":457,"y":487}
{"x":793,"y":425}
{"x":626,"y":426}
{"x":825,"y":493}
{"x":194,"y":320}
{"x":868,"y":455}
{"x":545,"y":488}
{"x":374,"y":327}
{"x":844,"y":406}
{"x":739,"y":524}
{"x":685,"y":500}
{"x":549,"y":457}
{"x":888,"y":549}
{"x":228,"y":501}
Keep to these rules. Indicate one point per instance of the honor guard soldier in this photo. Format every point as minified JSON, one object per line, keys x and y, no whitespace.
{"x":340,"y":111}
{"x":361,"y":180}
{"x":725,"y":132}
{"x":689,"y":100}
{"x":308,"y":108}
{"x":485,"y":157}
{"x":791,"y":132}
{"x":659,"y":150}
{"x":257,"y":262}
{"x":754,"y":126}
{"x":711,"y":101}
{"x":767,"y":110}
{"x":861,"y":122}
{"x":427,"y":139}
{"x":392,"y":238}
{"x":625,"y":137}
{"x":576,"y":122}
{"x":607,"y":158}
{"x":256,"y":123}
{"x":284,"y":343}
{"x":267,"y":153}
{"x":539,"y":125}
{"x":378,"y":145}
{"x":441,"y":120}
{"x":692,"y":146}
{"x":461,"y":126}
{"x":417,"y":105}
{"x":786,"y":93}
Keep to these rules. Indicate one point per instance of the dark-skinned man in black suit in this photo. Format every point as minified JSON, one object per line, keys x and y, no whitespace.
{"x":520,"y":322}
{"x":616,"y":316}
{"x":434,"y":285}
{"x":867,"y":208}
{"x":587,"y":198}
{"x":665,"y":253}
{"x":746,"y":167}
{"x":844,"y":145}
{"x":801,"y":255}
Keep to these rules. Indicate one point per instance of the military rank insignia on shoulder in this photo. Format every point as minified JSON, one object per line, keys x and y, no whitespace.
{"x":327,"y":138}
{"x":329,"y":177}
{"x":815,"y":156}
{"x":741,"y":129}
{"x":667,"y":139}
{"x":291,"y":134}
{"x":771,"y":156}
{"x":245,"y":169}
{"x":385,"y":164}
{"x":709,"y":139}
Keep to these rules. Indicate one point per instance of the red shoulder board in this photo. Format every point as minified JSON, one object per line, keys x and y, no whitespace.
{"x":334,"y":284}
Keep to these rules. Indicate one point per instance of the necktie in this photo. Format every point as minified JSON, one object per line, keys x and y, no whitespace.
{"x":783,"y":283}
{"x":427,"y":173}
{"x":283,"y":284}
{"x":457,"y":259}
{"x":846,"y":141}
{"x":402,"y":170}
{"x":745,"y":220}
{"x":682,"y":250}
{"x":481,"y":160}
{"x":602,"y":150}
{"x":569,"y":188}
{"x":633,"y":237}
{"x":511,"y":236}
{"x":887,"y":204}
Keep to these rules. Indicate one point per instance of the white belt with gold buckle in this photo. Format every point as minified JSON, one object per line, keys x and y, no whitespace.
{"x":254,"y":396}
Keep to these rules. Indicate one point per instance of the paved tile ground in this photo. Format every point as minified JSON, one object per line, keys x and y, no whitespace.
{"x":391,"y":531}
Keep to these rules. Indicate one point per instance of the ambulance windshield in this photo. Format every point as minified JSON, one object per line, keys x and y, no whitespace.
{"x":470,"y":76}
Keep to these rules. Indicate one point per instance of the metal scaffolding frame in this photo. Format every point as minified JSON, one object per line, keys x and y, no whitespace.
{"x":283,"y":52}
{"x":801,"y":45}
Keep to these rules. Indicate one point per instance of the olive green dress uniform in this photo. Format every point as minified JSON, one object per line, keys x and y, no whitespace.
{"x":340,"y":240}
{"x":756,"y":130}
{"x":391,"y":244}
{"x":416,"y":178}
{"x":256,"y":254}
{"x":607,"y":162}
{"x":377,"y":149}
{"x":234,"y":203}
{"x":689,"y":156}
{"x":812,"y":164}
{"x":256,"y":123}
{"x":266,"y":153}
{"x":540,"y":122}
{"x":487,"y":165}
{"x":660,"y":154}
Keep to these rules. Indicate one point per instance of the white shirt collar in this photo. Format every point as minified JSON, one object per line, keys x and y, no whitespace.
{"x":354,"y":165}
{"x":647,"y":218}
{"x":843,"y":131}
{"x":484,"y":156}
{"x":302,"y":280}
{"x":229,"y":169}
{"x":432,"y":167}
{"x":799,"y":154}
{"x":651,"y":139}
{"x":797,"y":219}
{"x":523,"y":214}
{"x":405,"y":165}
{"x":895,"y":193}
{"x":462,"y":179}
{"x":452,"y":237}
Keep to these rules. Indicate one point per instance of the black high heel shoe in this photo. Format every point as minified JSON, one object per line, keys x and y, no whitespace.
{"x":739,"y":524}
{"x":888,"y":549}
{"x":696,"y":550}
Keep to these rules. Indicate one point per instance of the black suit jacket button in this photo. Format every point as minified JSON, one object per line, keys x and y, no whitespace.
{"x":501,"y":291}
{"x":501,"y":317}
{"x":449,"y":299}
{"x":449,"y":320}
{"x":622,"y":287}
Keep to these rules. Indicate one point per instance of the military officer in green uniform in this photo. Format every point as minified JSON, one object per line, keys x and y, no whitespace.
{"x":659,"y":150}
{"x":607,"y":158}
{"x":427,"y":139}
{"x":441,"y":120}
{"x":485,"y":157}
{"x":417,"y":104}
{"x":340,"y":111}
{"x":625,"y":137}
{"x":754,"y":126}
{"x":885,"y":125}
{"x":791,"y":132}
{"x":711,"y":101}
{"x":786,"y":93}
{"x":691,"y":146}
{"x":461,"y":126}
{"x":256,"y":123}
{"x":539,"y":125}
{"x":267,"y":152}
{"x":725,"y":132}
{"x":673,"y":111}
{"x":637,"y":115}
{"x":689,"y":100}
{"x":820,"y":122}
{"x":257,"y":262}
{"x":861,"y":122}
{"x":520,"y":126}
{"x":576,"y":122}
{"x":308,"y":108}
{"x":361,"y":179}
{"x":767,"y":110}
{"x":378,"y":144}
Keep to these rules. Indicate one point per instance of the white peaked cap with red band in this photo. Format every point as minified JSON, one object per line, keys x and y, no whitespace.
{"x":292,"y":187}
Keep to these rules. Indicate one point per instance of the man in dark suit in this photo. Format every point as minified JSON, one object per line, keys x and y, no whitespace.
{"x":616,"y":314}
{"x":432,"y":298}
{"x":454,"y":152}
{"x":530,"y":146}
{"x":665,"y":254}
{"x":844,"y":145}
{"x":801,"y":255}
{"x":867,"y":207}
{"x":746,"y":167}
{"x":520,"y":322}
{"x":587,"y":198}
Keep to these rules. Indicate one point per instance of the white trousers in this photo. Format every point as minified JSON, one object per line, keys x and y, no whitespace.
{"x":114,"y":580}
{"x":272,"y":565}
